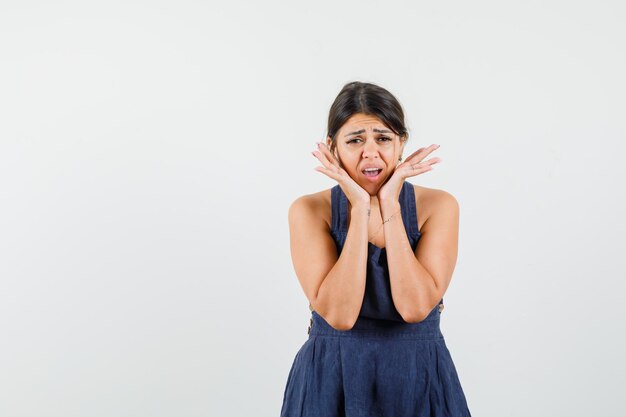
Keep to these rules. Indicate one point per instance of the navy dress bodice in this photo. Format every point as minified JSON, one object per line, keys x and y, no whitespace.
{"x":377,"y":300}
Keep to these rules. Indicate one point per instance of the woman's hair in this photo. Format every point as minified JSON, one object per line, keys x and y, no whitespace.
{"x":358,"y":97}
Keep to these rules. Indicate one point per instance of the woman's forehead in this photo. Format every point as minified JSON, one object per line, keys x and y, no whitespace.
{"x":360,"y":123}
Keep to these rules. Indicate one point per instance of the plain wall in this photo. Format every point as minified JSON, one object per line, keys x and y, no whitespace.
{"x":149,"y":152}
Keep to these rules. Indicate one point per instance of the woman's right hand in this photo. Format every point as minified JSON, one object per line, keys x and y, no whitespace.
{"x":331,"y":168}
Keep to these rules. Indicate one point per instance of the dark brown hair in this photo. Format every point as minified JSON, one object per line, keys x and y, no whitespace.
{"x":371,"y":99}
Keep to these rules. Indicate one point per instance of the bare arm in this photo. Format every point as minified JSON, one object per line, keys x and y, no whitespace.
{"x":334,"y":285}
{"x":419,"y":280}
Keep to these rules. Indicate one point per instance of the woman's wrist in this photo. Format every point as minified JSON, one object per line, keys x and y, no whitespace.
{"x":360,"y":209}
{"x":387,"y":209}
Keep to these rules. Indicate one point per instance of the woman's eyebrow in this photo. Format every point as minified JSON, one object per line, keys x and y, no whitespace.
{"x":358,"y":132}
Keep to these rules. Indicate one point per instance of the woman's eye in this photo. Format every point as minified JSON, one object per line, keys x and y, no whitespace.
{"x":387,"y":139}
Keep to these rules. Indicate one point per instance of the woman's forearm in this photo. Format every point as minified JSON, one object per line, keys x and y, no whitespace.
{"x":412,"y":288}
{"x":340,"y":295}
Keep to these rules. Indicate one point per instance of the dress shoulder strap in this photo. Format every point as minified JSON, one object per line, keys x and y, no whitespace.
{"x":409,"y":209}
{"x":338,"y":220}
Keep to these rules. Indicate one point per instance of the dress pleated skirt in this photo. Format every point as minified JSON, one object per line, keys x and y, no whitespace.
{"x":379,"y":368}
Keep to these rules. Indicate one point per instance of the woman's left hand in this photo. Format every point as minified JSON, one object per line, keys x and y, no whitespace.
{"x":411,"y":167}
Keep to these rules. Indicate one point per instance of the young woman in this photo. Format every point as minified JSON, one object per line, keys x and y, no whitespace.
{"x":374,"y":255}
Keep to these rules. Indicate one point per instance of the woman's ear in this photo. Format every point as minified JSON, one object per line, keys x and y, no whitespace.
{"x":336,"y":155}
{"x":329,"y":142}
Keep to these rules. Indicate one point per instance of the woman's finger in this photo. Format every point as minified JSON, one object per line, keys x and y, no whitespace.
{"x":328,"y":168}
{"x":413,"y":154}
{"x":329,"y":173}
{"x":329,"y":155}
{"x":422,"y":153}
{"x":425,"y":165}
{"x":323,"y":159}
{"x":333,"y":164}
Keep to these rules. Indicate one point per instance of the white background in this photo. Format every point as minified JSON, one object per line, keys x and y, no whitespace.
{"x":149,"y":152}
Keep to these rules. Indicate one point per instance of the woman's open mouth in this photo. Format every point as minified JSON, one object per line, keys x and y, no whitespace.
{"x":372,"y":174}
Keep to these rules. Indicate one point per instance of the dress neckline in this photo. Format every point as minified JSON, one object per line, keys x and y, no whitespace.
{"x":340,"y":202}
{"x":376,"y":247}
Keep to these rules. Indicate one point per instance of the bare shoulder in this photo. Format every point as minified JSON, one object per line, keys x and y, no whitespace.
{"x":432,"y":200}
{"x":316,"y":204}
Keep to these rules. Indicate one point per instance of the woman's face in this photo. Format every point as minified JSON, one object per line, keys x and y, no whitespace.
{"x":365,"y":142}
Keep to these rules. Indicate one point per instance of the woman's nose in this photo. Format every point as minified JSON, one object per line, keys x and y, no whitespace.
{"x":370,"y":148}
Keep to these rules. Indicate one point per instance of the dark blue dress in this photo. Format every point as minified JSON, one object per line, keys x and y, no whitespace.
{"x":383,"y":366}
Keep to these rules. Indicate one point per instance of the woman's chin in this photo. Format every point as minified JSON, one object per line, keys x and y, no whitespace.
{"x":373,"y":184}
{"x":371,"y":188}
